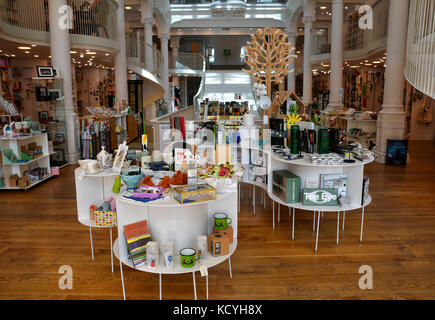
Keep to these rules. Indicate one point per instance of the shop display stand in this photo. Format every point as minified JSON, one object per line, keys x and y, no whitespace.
{"x":93,"y":189}
{"x":15,"y":145}
{"x":368,"y":126}
{"x":168,"y":220}
{"x":305,"y":169}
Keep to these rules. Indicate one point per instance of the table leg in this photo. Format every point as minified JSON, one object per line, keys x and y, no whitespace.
{"x":229,"y":267}
{"x":264,"y":199}
{"x":206,"y":284}
{"x":122,"y":278}
{"x":238,"y":202}
{"x":273,"y":215}
{"x":293,"y":224}
{"x":314,"y":221}
{"x":194,"y":285}
{"x":92,"y":244}
{"x":362,"y":224}
{"x":344,"y":217}
{"x":279,"y":212}
{"x":317,"y":235}
{"x":338,"y":226}
{"x":241,"y":194}
{"x":253,"y":198}
{"x":111,"y":248}
{"x":160,"y":285}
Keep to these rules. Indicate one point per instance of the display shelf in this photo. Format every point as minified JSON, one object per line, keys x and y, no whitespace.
{"x":307,"y":162}
{"x":208,"y":260}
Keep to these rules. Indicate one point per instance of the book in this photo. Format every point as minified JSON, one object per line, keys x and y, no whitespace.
{"x":338,"y":181}
{"x":137,"y":236}
{"x":365,"y":190}
{"x":397,"y":151}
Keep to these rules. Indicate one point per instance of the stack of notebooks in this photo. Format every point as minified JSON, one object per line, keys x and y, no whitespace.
{"x":137,"y":236}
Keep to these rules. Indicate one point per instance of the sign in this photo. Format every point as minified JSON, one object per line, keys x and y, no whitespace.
{"x":320,"y":197}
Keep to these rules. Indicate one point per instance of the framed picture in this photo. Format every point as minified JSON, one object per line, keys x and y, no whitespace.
{"x":43,"y":116}
{"x":45,"y":72}
{"x":397,"y":151}
{"x":54,"y":93}
{"x":120,"y":157}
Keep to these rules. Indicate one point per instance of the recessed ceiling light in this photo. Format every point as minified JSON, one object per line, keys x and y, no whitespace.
{"x":87,"y":50}
{"x":91,"y":52}
{"x":81,"y":55}
{"x":73,"y":52}
{"x":107,"y":54}
{"x":36,"y":56}
{"x":33,"y":45}
{"x":376,"y":62}
{"x":128,"y":8}
{"x":24,"y":48}
{"x":27,"y":51}
{"x":12,"y":55}
{"x":322,"y":7}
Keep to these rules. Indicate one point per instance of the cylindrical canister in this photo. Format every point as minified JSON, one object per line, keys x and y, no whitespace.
{"x":323,"y":141}
{"x":294,"y":139}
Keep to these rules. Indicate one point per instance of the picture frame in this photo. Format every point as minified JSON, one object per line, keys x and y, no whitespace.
{"x":120,"y":157}
{"x":43,"y":117}
{"x":45,"y":71}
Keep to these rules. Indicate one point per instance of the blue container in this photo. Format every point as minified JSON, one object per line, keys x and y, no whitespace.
{"x":131,"y":181}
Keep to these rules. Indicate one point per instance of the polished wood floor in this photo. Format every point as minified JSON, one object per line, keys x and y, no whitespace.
{"x":39,"y":232}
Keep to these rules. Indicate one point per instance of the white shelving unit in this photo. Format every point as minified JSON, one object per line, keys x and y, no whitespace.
{"x":15,"y":144}
{"x":368,"y":127}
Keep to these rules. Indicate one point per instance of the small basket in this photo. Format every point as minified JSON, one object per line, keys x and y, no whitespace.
{"x":105,"y":218}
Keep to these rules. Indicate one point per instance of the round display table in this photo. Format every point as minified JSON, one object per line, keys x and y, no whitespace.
{"x":93,"y":189}
{"x":305,"y":169}
{"x":168,"y":220}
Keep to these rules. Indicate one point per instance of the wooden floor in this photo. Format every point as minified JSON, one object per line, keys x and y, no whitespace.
{"x":39,"y":232}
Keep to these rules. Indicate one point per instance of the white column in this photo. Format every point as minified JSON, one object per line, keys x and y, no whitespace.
{"x":391,"y":119}
{"x":307,"y":97}
{"x":121,"y":57}
{"x":61,"y":59}
{"x":291,"y":78}
{"x":336,"y":76}
{"x":148,"y":22}
{"x":164,"y":42}
{"x":175,"y":46}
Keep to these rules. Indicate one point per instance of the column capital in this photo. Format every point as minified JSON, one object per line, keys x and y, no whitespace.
{"x":308,"y":20}
{"x":164,"y":36}
{"x":147,"y":21}
{"x":175,"y":42}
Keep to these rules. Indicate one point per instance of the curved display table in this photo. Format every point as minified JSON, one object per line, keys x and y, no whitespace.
{"x":305,"y":169}
{"x":93,"y":189}
{"x":168,"y":220}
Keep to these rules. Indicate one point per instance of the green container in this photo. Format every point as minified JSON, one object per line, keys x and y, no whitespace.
{"x":286,"y":186}
{"x":320,"y":197}
{"x":221,"y":221}
{"x":188,"y":257}
{"x":323,"y":141}
{"x":294,"y":140}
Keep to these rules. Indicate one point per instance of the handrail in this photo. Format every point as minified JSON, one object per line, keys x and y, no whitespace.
{"x":96,"y":25}
{"x":136,"y":50}
{"x":200,"y":93}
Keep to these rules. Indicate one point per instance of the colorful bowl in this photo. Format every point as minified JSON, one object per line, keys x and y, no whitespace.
{"x":131,"y":181}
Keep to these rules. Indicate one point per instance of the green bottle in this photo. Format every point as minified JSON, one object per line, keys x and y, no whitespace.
{"x":323,"y":141}
{"x":117,"y":185}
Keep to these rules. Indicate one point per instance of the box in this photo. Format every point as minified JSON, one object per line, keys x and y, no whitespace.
{"x":152,"y":251}
{"x":229,"y":232}
{"x":286,"y":186}
{"x":257,"y":174}
{"x":320,"y":197}
{"x":168,"y":251}
{"x":92,"y":209}
{"x":54,"y":171}
{"x":218,"y":244}
{"x":23,"y":182}
{"x":13,"y":180}
{"x":201,"y":246}
{"x":194,"y":193}
{"x":105,"y":218}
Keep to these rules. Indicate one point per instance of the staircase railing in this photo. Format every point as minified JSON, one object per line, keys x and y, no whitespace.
{"x":136,"y":53}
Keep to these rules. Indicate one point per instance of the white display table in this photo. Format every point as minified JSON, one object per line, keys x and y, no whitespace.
{"x":93,"y":189}
{"x":305,"y":169}
{"x":168,"y":220}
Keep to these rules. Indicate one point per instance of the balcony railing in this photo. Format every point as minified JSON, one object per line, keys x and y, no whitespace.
{"x":137,"y":50}
{"x":92,"y":25}
{"x":210,"y":1}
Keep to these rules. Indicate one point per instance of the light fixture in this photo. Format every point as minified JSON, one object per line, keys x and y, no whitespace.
{"x":36,"y":56}
{"x":24,"y":48}
{"x":12,"y":55}
{"x":27,"y":51}
{"x":91,"y":52}
{"x":128,"y":8}
{"x":87,"y":50}
{"x":322,"y":7}
{"x":72,"y":52}
{"x":107,"y":54}
{"x":81,"y":55}
{"x":376,"y":62}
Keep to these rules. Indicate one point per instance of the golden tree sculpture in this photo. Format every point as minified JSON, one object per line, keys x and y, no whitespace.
{"x":268,"y":56}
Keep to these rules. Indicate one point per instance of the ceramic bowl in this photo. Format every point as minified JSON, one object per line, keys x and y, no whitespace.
{"x":131,"y":181}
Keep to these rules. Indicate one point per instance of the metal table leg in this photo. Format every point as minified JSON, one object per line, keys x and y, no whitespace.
{"x":206,"y":284}
{"x":338,"y":226}
{"x":229,"y":266}
{"x":293,"y":224}
{"x":194,"y":285}
{"x":344,"y":218}
{"x":111,"y":248}
{"x":122,"y":279}
{"x":253,"y":198}
{"x":273,"y":215}
{"x":317,"y":235}
{"x":362,"y":224}
{"x":314,"y":221}
{"x":92,"y":244}
{"x":279,"y":212}
{"x":160,"y":285}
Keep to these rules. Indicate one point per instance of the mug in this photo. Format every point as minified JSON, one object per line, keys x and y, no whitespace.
{"x":188,"y":257}
{"x":221,"y":221}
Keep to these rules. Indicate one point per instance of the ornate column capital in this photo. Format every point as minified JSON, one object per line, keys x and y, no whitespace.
{"x":147,"y":21}
{"x":164,"y":36}
{"x":175,"y":42}
{"x":308,"y":21}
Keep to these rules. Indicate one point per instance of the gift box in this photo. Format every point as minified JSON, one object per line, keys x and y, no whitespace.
{"x":286,"y":186}
{"x":105,"y":218}
{"x":218,"y":244}
{"x":229,"y":232}
{"x":194,"y":193}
